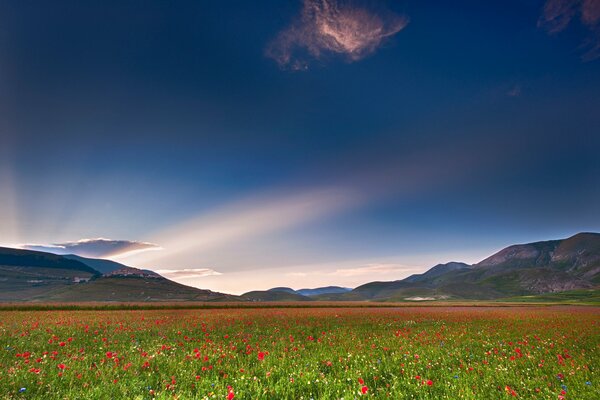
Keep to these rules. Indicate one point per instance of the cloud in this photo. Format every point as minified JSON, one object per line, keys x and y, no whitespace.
{"x":374,"y":269}
{"x":336,"y":27}
{"x":187,"y":273}
{"x":98,"y":248}
{"x":296,"y":274}
{"x":515,"y":91}
{"x":558,"y":14}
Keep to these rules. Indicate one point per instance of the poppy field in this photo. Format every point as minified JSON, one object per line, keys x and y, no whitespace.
{"x":302,"y":353}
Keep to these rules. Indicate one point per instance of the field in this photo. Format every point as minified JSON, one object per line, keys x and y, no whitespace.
{"x":449,"y":352}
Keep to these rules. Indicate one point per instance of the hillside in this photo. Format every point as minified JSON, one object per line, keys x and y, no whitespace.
{"x":273,"y":295}
{"x":100,"y":265}
{"x":27,"y":275}
{"x":132,"y":289}
{"x":323,"y":291}
{"x":519,"y":270}
{"x":29,"y":258}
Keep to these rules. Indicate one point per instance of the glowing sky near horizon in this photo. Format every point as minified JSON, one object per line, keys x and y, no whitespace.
{"x":243,"y":146}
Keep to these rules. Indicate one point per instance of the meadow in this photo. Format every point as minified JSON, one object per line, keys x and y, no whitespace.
{"x":448,"y":352}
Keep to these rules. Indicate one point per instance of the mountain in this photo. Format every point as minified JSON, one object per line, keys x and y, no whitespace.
{"x":27,"y":275}
{"x":518,"y":270}
{"x":282,"y":289}
{"x":273,"y":295}
{"x":113,"y":268}
{"x":100,"y":265}
{"x":526,"y":271}
{"x":437,"y":270}
{"x":29,"y":258}
{"x":323,"y":290}
{"x":312,"y":292}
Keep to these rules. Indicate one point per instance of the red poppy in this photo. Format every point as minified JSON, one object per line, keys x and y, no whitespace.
{"x":261,"y":355}
{"x":62,"y":366}
{"x":364,"y":389}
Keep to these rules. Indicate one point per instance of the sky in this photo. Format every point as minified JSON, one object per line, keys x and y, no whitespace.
{"x":238,"y":145}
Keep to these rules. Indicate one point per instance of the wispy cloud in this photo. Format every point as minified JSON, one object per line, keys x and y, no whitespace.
{"x":296,"y":274}
{"x":99,"y":248}
{"x":374,"y":270}
{"x":558,"y":14}
{"x":515,"y":91}
{"x":345,"y":28}
{"x":187,"y":273}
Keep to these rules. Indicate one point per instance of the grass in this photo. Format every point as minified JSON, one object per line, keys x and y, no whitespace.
{"x":582,"y":296}
{"x":435,"y":352}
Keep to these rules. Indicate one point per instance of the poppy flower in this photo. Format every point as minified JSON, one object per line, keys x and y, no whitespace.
{"x":364,"y":389}
{"x":261,"y":355}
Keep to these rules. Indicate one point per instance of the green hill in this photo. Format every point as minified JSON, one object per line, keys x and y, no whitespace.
{"x":27,"y":275}
{"x":520,"y":270}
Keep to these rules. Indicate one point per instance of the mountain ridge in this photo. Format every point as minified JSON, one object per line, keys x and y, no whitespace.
{"x":523,"y":269}
{"x":529,"y":269}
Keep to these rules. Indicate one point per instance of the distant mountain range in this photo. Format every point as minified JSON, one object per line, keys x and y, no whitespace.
{"x":520,"y":270}
{"x":531,"y":269}
{"x":289,"y":294}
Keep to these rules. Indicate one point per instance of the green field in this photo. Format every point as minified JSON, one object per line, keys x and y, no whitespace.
{"x":449,"y":352}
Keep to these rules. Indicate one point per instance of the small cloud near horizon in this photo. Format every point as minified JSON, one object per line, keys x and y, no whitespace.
{"x":187,"y":273}
{"x":95,"y":248}
{"x":374,"y":269}
{"x":333,"y":27}
{"x":557,"y":15}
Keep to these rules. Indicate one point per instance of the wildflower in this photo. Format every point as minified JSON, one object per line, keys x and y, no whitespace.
{"x":364,"y":390}
{"x":22,"y":390}
{"x":510,"y":391}
{"x":261,"y":356}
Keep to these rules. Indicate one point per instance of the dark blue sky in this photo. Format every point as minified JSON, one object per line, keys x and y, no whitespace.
{"x":467,"y":126}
